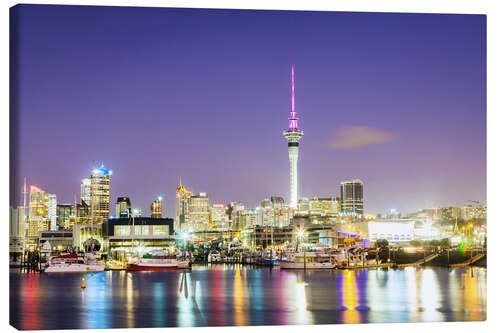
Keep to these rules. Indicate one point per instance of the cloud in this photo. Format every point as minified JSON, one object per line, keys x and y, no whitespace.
{"x":359,"y":136}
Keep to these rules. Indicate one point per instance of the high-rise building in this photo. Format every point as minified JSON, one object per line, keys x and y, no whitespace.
{"x":123,"y":207}
{"x":38,"y":212}
{"x":52,"y":211}
{"x":351,"y":196}
{"x":100,"y":182}
{"x":85,"y":191}
{"x":219,"y":217}
{"x":293,"y":136}
{"x":182,"y":196}
{"x":199,"y":212}
{"x":277,"y":202}
{"x":157,"y":209}
{"x":66,"y":215}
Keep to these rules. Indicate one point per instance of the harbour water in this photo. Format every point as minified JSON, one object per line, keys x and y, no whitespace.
{"x":242,"y":295}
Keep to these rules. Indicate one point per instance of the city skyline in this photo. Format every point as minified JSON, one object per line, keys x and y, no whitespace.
{"x":195,"y":107}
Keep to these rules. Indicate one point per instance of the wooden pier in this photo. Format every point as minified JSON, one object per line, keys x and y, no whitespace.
{"x":470,"y":261}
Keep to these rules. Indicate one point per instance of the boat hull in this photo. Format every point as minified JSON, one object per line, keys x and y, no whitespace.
{"x":134,"y":267}
{"x":74,"y":268}
{"x":309,"y":265}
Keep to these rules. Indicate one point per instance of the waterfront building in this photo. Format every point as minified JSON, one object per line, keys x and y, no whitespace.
{"x":58,"y":240}
{"x":182,"y":196}
{"x":85,"y":191}
{"x":394,"y":231}
{"x":351,"y":196}
{"x":199,"y":212}
{"x":38,"y":212}
{"x":146,"y":232}
{"x":100,"y":182}
{"x":123,"y":207}
{"x":52,"y":211}
{"x":156,"y":208}
{"x":219,"y":217}
{"x":293,"y":136}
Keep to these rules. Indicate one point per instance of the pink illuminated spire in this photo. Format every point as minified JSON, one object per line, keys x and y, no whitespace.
{"x":293,"y":121}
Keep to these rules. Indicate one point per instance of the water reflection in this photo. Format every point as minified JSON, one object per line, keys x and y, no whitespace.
{"x":239,"y":292}
{"x":242,"y":295}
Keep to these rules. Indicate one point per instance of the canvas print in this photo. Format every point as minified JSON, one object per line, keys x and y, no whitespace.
{"x":176,"y":167}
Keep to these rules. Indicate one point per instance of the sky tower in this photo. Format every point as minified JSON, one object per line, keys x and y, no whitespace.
{"x":293,"y":136}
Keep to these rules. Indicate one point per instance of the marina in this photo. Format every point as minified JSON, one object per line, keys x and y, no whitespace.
{"x":235,"y":294}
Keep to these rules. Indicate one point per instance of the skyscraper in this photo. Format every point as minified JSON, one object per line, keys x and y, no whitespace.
{"x":85,"y":191}
{"x":52,"y":211}
{"x":351,"y":197}
{"x":100,"y":182}
{"x":38,"y":212}
{"x":157,"y":209}
{"x":199,"y":212}
{"x":293,"y":136}
{"x":123,"y":207}
{"x":182,"y":196}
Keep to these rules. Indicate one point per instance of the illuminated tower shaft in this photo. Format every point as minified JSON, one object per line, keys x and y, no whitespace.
{"x":293,"y":136}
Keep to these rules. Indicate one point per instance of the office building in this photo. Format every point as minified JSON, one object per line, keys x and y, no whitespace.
{"x":123,"y":207}
{"x":66,"y":215}
{"x":52,"y":211}
{"x":219,"y":218}
{"x":157,"y":209}
{"x":182,"y":196}
{"x":85,"y":191}
{"x":199,"y":212}
{"x":38,"y":212}
{"x":351,"y":196}
{"x":149,"y":233}
{"x":100,"y":182}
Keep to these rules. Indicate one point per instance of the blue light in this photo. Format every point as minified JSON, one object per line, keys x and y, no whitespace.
{"x":102,"y":171}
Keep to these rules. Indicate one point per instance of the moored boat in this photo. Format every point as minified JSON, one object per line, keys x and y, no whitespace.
{"x":154,"y":262}
{"x":308,"y":260}
{"x":73,"y":263}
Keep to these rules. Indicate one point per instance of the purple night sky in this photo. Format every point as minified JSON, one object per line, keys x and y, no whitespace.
{"x":397,"y":100}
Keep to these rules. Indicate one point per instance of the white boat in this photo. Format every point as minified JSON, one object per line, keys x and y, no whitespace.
{"x":154,"y":262}
{"x":214,"y":258}
{"x":313,"y":260}
{"x":67,"y":263}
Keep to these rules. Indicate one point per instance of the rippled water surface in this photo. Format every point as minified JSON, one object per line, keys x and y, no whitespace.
{"x":241,"y":295}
